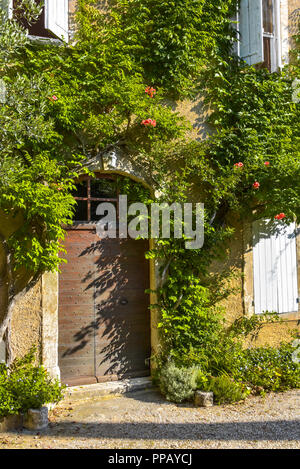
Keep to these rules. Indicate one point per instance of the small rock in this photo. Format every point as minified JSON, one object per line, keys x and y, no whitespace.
{"x":36,"y":419}
{"x":204,"y":399}
{"x":12,"y":422}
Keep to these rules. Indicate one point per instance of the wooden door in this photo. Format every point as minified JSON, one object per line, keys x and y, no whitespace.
{"x":104,"y":316}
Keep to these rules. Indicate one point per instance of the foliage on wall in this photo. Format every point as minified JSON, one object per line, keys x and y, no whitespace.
{"x":114,"y":88}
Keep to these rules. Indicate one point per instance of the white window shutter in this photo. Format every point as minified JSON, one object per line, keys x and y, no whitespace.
{"x":7,"y":6}
{"x":287,"y":270}
{"x":274,"y":267}
{"x":251,"y":31}
{"x":57,"y":18}
{"x":264,"y":268}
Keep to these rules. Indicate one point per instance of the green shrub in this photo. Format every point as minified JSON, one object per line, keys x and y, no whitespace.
{"x":178,"y":384}
{"x":24,"y":386}
{"x":7,"y":401}
{"x":268,"y":368}
{"x":226,"y":390}
{"x":202,"y":380}
{"x":223,"y":365}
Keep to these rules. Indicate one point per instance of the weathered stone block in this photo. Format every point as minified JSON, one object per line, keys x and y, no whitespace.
{"x":36,"y":419}
{"x":12,"y":422}
{"x":204,"y":399}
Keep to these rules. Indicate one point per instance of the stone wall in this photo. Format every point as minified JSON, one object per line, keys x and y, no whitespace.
{"x":26,"y":324}
{"x":26,"y":319}
{"x":293,"y":17}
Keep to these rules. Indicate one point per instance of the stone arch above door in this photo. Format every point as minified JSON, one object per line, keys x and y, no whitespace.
{"x":117,"y":162}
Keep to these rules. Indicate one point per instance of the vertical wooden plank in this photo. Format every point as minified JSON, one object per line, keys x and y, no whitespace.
{"x":287,"y":270}
{"x":244,"y":29}
{"x":264,"y":267}
{"x":263,"y":271}
{"x":271,"y":259}
{"x":283,"y":287}
{"x":272,"y":265}
{"x":258,"y":267}
{"x":293,"y":306}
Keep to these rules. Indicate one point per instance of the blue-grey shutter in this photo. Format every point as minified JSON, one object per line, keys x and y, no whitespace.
{"x":274,"y":267}
{"x":251,"y":31}
{"x":57,"y":18}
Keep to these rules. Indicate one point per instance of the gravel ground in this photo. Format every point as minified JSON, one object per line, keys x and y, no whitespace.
{"x":144,"y":420}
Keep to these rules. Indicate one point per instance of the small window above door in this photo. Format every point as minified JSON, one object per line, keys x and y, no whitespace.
{"x":90,"y":192}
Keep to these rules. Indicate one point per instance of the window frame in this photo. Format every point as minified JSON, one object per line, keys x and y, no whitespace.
{"x":276,"y":38}
{"x":275,"y":52}
{"x":90,"y":199}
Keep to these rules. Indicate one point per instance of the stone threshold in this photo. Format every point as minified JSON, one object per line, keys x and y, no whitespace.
{"x":107,"y":389}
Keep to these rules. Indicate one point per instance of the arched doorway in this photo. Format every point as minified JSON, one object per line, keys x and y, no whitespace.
{"x":103,"y":310}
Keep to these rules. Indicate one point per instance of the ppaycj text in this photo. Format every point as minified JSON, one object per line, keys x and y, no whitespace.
{"x":155,"y":458}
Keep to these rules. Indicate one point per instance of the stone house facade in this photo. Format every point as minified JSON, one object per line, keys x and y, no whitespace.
{"x":103,"y":283}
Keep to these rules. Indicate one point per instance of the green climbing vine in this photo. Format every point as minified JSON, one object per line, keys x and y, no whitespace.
{"x":115,"y":88}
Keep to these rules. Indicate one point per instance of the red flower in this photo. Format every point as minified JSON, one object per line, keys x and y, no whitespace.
{"x":239,"y":165}
{"x":149,"y":122}
{"x":150,"y":91}
{"x":280,"y":216}
{"x":267,"y":163}
{"x":256,"y":185}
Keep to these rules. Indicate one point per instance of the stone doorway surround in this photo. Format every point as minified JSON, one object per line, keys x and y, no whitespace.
{"x":49,"y":330}
{"x":50,"y":323}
